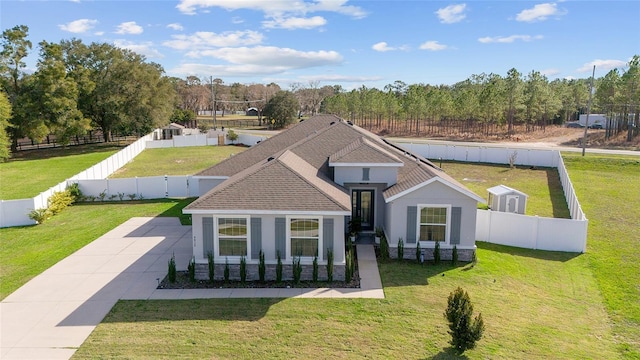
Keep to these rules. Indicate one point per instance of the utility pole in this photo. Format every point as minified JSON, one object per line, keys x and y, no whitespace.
{"x":586,"y":125}
{"x":213,"y":100}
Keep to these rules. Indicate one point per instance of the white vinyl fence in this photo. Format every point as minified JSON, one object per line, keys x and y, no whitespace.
{"x":152,"y":187}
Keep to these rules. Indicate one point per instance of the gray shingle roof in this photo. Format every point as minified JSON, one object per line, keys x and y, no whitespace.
{"x":363,"y":151}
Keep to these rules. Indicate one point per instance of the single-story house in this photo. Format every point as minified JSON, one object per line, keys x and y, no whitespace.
{"x":295,"y":193}
{"x":505,"y":199}
{"x":171,"y":130}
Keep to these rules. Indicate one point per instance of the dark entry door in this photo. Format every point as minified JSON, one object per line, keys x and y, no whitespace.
{"x":362,"y":207}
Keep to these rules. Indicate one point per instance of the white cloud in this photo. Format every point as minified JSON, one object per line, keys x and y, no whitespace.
{"x":144,"y":48}
{"x":284,"y":8}
{"x":98,"y":33}
{"x":602,"y":65}
{"x":272,"y":57}
{"x":204,"y":39}
{"x":509,"y":39}
{"x":175,"y":26}
{"x":550,"y":72}
{"x":237,"y":20}
{"x":295,"y":23}
{"x":75,"y":1}
{"x":129,"y":27}
{"x":382,"y":47}
{"x":433,"y":46}
{"x":79,"y":26}
{"x":452,"y":13}
{"x":539,"y":12}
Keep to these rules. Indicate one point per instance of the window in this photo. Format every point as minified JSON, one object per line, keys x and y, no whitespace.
{"x":232,"y":236}
{"x":433,"y":223}
{"x":305,"y":235}
{"x":365,"y":174}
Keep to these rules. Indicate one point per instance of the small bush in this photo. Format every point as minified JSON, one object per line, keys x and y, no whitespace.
{"x":120,"y":196}
{"x":59,"y":200}
{"x":297,"y":269}
{"x":76,"y":193}
{"x":400,"y":249}
{"x":329,"y":265}
{"x":436,"y":253}
{"x":232,"y":136}
{"x":262,"y":268}
{"x":102,"y":195}
{"x":418,"y":251}
{"x":226,"y":270}
{"x":212,"y":267}
{"x":348,"y":275}
{"x":315,"y":269}
{"x":39,"y":215}
{"x":454,"y":256}
{"x":191,"y":268}
{"x":172,"y":269}
{"x":279,"y":267}
{"x":132,"y":196}
{"x":464,"y":332}
{"x":384,"y":248}
{"x":243,"y":269}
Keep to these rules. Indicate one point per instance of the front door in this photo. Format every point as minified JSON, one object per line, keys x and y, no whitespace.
{"x":362,"y":207}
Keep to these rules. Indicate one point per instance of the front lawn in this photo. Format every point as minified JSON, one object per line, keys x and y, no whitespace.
{"x":535,"y":305}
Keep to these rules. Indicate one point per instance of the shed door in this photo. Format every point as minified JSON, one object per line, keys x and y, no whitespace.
{"x":512,"y":203}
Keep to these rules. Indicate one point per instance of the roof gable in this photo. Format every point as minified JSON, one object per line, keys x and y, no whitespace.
{"x":364,"y":151}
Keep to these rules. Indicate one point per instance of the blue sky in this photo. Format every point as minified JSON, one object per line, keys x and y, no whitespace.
{"x":350,"y":43}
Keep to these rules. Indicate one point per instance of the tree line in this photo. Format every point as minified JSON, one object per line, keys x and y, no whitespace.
{"x":492,"y":103}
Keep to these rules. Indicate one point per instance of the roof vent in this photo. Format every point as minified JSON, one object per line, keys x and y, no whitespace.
{"x":350,"y":123}
{"x":331,"y":123}
{"x":258,"y":142}
{"x":270,"y":158}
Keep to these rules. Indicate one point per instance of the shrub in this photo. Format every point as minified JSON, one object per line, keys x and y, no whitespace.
{"x":297,"y":269}
{"x":454,"y":256}
{"x":400,"y":249}
{"x":39,"y":215}
{"x":232,"y":136}
{"x":243,"y":269}
{"x":226,"y":270}
{"x":315,"y":268}
{"x":384,"y":248}
{"x":132,"y":196}
{"x":191,"y":268}
{"x":59,"y":200}
{"x":172,"y":269}
{"x":102,"y":195}
{"x":212,"y":267}
{"x":436,"y":253}
{"x":262,"y":268}
{"x":347,"y":269}
{"x":120,"y":196}
{"x":329,"y":265}
{"x":418,"y":251}
{"x":464,"y":332}
{"x":279,"y":267}
{"x":76,"y":193}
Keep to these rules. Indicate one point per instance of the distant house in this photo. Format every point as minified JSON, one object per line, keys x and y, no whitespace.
{"x":252,"y":111}
{"x":505,"y":199}
{"x":294,"y":194}
{"x":171,"y":130}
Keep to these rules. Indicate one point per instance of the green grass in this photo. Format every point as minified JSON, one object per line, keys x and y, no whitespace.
{"x":175,"y":161}
{"x":29,"y":173}
{"x":609,"y":191}
{"x":27,"y":251}
{"x":543,"y":186}
{"x":535,"y":305}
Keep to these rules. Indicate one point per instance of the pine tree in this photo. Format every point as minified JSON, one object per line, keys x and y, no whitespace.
{"x":464,"y":332}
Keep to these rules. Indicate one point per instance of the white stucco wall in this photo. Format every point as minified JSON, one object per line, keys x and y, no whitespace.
{"x":347,"y":174}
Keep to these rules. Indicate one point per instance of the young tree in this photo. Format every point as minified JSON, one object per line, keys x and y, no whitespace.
{"x":5,"y":115}
{"x":464,"y":332}
{"x":282,"y":109}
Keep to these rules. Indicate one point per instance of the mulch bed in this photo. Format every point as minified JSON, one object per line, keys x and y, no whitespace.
{"x":183,"y":282}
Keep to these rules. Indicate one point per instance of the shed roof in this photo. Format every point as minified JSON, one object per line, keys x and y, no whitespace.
{"x":504,"y":190}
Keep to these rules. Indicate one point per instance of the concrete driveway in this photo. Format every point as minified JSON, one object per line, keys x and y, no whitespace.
{"x":52,"y":315}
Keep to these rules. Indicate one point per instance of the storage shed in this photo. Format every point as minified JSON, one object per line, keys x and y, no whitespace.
{"x":171,"y":130}
{"x":505,"y":199}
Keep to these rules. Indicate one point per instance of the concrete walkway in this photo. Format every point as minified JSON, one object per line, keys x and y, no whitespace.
{"x":51,"y":316}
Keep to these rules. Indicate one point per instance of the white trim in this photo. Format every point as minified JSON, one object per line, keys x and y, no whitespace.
{"x":216,"y":237}
{"x":265,"y":212}
{"x":373,"y":165}
{"x":443,"y":182}
{"x":447,"y":232}
{"x":304,"y":259}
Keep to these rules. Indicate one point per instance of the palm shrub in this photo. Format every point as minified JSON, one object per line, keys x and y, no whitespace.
{"x":400,"y":249}
{"x":243,"y":269}
{"x":191,"y":268}
{"x":348,"y":275}
{"x":262,"y":268}
{"x":212,"y":266}
{"x":226,"y":270}
{"x":315,"y":268}
{"x":384,"y":248}
{"x":279,"y":267}
{"x":436,"y":253}
{"x":418,"y":251}
{"x":172,"y":269}
{"x":75,"y":192}
{"x":463,"y":330}
{"x":39,"y":215}
{"x":329,"y":265}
